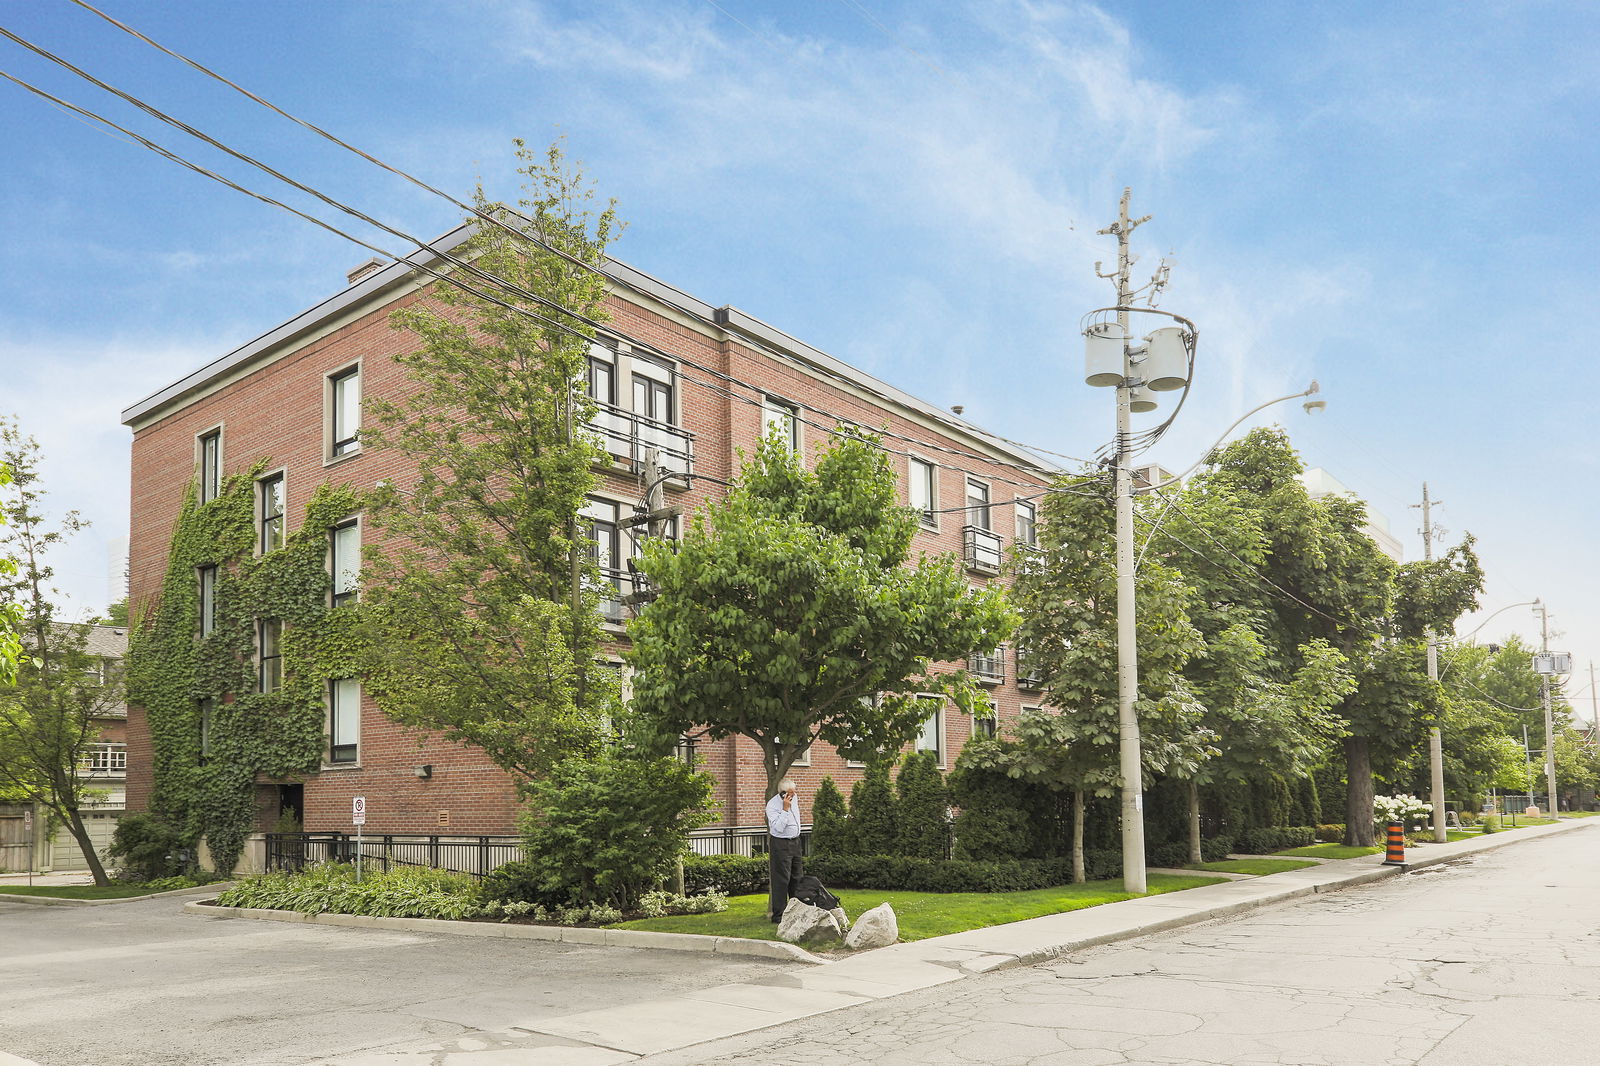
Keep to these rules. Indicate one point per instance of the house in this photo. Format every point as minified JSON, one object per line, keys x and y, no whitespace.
{"x":692,"y":381}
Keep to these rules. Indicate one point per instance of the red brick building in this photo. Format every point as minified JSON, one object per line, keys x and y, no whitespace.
{"x":292,"y":396}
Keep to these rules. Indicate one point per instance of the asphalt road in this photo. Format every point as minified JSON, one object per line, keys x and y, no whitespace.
{"x":1491,"y":961}
{"x":144,"y":984}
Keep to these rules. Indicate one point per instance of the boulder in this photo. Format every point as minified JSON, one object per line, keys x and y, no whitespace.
{"x":842,"y":918}
{"x":805,"y":924}
{"x":875,"y":929}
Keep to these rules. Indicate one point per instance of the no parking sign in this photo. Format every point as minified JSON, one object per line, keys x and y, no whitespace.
{"x":358,"y":810}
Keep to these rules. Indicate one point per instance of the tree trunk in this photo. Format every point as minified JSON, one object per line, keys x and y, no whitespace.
{"x":1077,"y":837}
{"x":1195,"y":855}
{"x":1358,"y":805}
{"x":81,"y":835}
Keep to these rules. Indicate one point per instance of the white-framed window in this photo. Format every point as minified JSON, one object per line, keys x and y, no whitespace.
{"x":344,"y":720}
{"x":921,"y":489}
{"x":931,"y":738}
{"x":269,"y":655}
{"x":106,"y":759}
{"x":601,"y":374}
{"x":344,"y":411}
{"x":270,"y":508}
{"x":653,"y":390}
{"x":207,"y":576}
{"x":609,"y":551}
{"x":784,"y":417}
{"x":978,"y":504}
{"x":987,"y":727}
{"x":344,"y":561}
{"x":209,"y":447}
{"x":1027,"y":523}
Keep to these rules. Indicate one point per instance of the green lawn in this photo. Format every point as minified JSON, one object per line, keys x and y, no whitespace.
{"x":76,"y":891}
{"x":1330,"y":851}
{"x":1257,"y":867}
{"x":920,"y":914}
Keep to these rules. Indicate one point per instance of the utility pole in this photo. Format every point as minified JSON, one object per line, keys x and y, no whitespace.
{"x":1549,"y":717}
{"x":1435,"y":737}
{"x":1130,"y":758}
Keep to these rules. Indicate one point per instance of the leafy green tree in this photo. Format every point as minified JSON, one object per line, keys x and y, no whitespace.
{"x":610,"y":828}
{"x":994,"y":821}
{"x":924,"y":807}
{"x":11,"y":621}
{"x":57,"y":695}
{"x":874,"y":812}
{"x":1066,"y":592}
{"x":791,"y":612}
{"x":479,"y":616}
{"x":830,"y":821}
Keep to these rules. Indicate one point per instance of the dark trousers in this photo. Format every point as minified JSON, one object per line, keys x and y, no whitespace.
{"x":786,"y":867}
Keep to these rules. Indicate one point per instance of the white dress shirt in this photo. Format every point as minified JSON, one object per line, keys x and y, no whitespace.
{"x":784,"y":824}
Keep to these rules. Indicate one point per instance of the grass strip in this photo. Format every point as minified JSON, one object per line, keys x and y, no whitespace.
{"x":1255,"y":867}
{"x":1331,"y":851}
{"x":78,"y":891}
{"x":921,"y":914}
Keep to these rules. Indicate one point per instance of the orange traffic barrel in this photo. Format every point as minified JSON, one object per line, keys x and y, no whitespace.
{"x":1395,"y":854}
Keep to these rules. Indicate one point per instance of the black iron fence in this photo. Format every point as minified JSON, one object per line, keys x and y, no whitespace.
{"x":475,"y":855}
{"x":739,"y":840}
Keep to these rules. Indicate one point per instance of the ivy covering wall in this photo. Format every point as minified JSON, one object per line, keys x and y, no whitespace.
{"x":171,"y":668}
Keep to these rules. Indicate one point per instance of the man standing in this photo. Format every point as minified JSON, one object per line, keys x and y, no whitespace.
{"x":783,"y":847}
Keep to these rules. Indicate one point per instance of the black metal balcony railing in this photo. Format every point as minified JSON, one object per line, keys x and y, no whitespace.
{"x":988,"y":667}
{"x":627,"y":436}
{"x":981,"y":548}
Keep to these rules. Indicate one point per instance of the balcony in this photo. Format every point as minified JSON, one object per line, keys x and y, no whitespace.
{"x":627,"y":436}
{"x":981,"y":549}
{"x":1029,"y":675}
{"x":988,"y":667}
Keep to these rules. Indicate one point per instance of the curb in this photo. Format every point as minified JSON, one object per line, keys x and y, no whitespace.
{"x":63,"y":901}
{"x":616,"y":938}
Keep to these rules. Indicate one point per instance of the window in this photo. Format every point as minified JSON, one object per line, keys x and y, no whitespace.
{"x":1027,"y":523}
{"x":987,"y":727}
{"x":931,"y":738}
{"x":210,"y":465}
{"x":652,"y":390}
{"x":208,"y":600}
{"x":271,"y":508}
{"x":345,"y":562}
{"x":989,"y":666}
{"x":270,"y":673}
{"x":106,"y":759}
{"x":602,"y":377}
{"x":978,"y":504}
{"x":204,"y":708}
{"x":344,"y":411}
{"x":920,"y":489}
{"x":1029,"y":673}
{"x":344,"y":720}
{"x":776,"y":414}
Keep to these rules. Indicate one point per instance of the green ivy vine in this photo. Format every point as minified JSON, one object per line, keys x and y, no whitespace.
{"x":252,"y":735}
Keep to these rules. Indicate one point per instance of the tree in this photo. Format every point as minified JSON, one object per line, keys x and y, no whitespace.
{"x":830,"y":822}
{"x":51,"y":709}
{"x":1066,"y":592}
{"x":874,"y":812}
{"x":924,"y":807}
{"x":11,"y":621}
{"x":790,"y":612}
{"x":481,"y":618}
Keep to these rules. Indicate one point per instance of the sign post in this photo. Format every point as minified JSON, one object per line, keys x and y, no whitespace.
{"x":33,"y":845}
{"x":358,"y":818}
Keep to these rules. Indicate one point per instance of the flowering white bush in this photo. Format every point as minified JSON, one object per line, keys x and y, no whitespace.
{"x":1402,"y":808}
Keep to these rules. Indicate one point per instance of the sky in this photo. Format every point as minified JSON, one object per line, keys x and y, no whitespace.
{"x":1394,"y":200}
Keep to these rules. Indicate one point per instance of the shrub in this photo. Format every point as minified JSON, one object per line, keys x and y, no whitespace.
{"x":519,"y":882}
{"x":988,"y":832}
{"x":830,"y":824}
{"x":661,"y":904}
{"x":1331,"y":833}
{"x":924,"y":808}
{"x":401,"y":892}
{"x":1307,"y":807}
{"x":1175,"y":854}
{"x":1276,"y":838}
{"x":874,"y":820}
{"x":1405,"y":809}
{"x":957,"y":875}
{"x":149,"y":848}
{"x":733,"y":875}
{"x":609,"y":829}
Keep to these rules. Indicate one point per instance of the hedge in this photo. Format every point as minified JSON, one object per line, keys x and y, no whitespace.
{"x":1267,"y":841}
{"x":733,"y":875}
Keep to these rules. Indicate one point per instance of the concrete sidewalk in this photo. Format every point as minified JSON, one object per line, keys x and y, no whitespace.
{"x":627,"y":1032}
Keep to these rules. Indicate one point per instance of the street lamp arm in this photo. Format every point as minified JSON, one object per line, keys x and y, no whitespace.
{"x":1206,"y":455}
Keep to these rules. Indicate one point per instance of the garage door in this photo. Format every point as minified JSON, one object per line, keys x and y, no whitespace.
{"x":66,"y":855}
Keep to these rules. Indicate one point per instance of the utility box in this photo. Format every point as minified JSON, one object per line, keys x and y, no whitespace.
{"x":1553,"y":663}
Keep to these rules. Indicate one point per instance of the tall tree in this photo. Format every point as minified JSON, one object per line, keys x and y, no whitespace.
{"x":1066,"y":592}
{"x":480,"y":616}
{"x":50,"y":712}
{"x":791,"y":612}
{"x":11,"y":620}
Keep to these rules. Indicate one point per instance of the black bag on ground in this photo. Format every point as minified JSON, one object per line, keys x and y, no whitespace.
{"x":809,"y":890}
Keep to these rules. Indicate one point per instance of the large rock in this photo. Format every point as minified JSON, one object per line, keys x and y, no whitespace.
{"x":804,"y":924}
{"x":842,"y":918}
{"x":875,"y":929}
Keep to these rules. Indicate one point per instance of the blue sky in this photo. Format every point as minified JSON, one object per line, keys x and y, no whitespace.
{"x":1397,"y":200}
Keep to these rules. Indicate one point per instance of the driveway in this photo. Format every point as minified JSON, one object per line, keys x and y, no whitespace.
{"x":145,"y":984}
